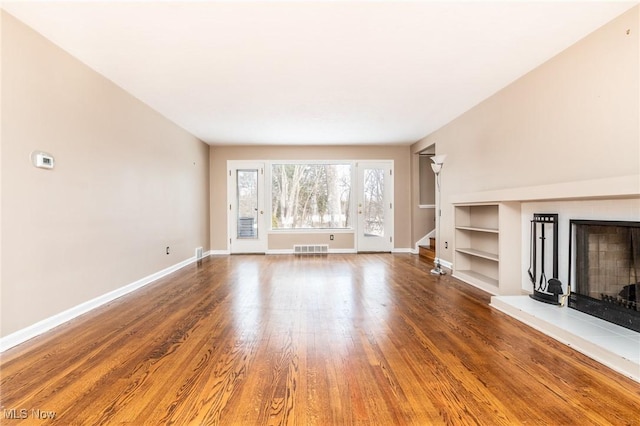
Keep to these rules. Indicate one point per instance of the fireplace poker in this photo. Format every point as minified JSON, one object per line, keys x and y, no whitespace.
{"x":543,"y":277}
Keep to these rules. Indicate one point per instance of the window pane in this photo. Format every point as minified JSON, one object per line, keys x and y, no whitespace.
{"x":247,"y":193}
{"x":373,"y":203}
{"x":313,"y":196}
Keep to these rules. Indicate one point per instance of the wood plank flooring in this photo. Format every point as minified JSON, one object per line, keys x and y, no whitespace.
{"x":370,"y":339}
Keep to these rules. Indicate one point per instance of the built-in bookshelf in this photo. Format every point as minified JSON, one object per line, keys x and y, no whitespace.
{"x":487,"y":246}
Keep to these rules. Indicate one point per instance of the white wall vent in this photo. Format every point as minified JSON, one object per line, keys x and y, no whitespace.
{"x":310,"y":248}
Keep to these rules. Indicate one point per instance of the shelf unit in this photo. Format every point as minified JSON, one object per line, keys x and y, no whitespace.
{"x":487,"y":246}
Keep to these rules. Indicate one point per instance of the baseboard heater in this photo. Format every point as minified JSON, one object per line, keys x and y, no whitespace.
{"x":310,"y":248}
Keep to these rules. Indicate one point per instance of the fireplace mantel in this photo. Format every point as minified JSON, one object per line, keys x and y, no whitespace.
{"x":606,"y":188}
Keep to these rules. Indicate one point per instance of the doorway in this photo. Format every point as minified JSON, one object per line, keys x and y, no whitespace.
{"x":375,"y":206}
{"x":245,"y":197}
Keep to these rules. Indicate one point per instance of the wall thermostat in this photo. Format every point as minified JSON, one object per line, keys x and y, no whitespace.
{"x":42,"y":160}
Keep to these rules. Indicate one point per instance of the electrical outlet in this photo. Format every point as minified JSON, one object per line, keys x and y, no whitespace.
{"x":167,"y":249}
{"x":331,"y":237}
{"x":446,"y":244}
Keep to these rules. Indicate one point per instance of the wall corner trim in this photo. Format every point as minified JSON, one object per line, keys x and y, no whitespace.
{"x":47,"y":324}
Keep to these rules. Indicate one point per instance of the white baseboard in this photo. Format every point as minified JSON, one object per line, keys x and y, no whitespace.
{"x":446,"y":264}
{"x":331,"y":251}
{"x":47,"y":324}
{"x":402,"y":250}
{"x":218,"y":252}
{"x":280,"y":251}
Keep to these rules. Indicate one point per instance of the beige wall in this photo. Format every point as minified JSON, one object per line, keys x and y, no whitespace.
{"x":1,"y":143}
{"x":427,"y":180}
{"x":285,"y":241}
{"x":127,"y":183}
{"x":423,"y":192}
{"x":219,"y":155}
{"x":574,"y":118}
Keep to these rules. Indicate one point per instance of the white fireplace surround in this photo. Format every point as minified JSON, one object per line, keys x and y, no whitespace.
{"x":616,"y":198}
{"x":610,"y":344}
{"x":611,"y":209}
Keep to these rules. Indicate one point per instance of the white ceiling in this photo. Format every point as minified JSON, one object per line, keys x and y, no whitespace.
{"x":313,"y":72}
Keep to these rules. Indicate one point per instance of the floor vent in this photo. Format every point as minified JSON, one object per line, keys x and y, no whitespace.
{"x":198,"y":253}
{"x":310,"y":248}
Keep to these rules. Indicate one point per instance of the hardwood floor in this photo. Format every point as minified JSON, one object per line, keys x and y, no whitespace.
{"x":333,"y":340}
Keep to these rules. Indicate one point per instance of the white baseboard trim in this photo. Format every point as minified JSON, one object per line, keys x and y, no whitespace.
{"x":218,"y":252}
{"x":47,"y":324}
{"x":446,"y":264}
{"x":331,"y":251}
{"x":402,"y":250}
{"x":280,"y":251}
{"x":343,"y":251}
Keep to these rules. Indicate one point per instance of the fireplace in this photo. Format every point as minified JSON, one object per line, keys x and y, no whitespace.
{"x":604,"y":271}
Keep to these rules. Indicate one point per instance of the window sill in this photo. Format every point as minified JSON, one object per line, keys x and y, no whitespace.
{"x":312,"y":231}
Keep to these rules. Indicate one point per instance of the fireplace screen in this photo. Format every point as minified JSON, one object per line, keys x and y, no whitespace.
{"x":606,"y":270}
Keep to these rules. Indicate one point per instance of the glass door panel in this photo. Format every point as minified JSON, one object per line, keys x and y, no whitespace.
{"x":247,"y":202}
{"x":245,"y":197}
{"x":375,"y":206}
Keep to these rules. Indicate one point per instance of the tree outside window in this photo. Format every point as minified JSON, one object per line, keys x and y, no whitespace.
{"x":310,"y":196}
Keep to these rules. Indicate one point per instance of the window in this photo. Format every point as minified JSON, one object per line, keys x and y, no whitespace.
{"x":310,"y":196}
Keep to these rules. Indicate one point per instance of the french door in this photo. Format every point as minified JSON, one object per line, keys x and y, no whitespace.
{"x":245,"y":199}
{"x":375,"y":206}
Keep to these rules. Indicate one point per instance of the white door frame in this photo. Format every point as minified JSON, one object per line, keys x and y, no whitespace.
{"x":369,"y":243}
{"x":245,"y":245}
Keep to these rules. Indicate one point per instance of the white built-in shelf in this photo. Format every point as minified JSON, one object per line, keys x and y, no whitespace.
{"x":487,"y":246}
{"x":479,"y":253}
{"x":479,"y":280}
{"x":476,"y":229}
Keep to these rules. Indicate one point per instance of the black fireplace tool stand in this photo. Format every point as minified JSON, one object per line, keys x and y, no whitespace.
{"x":545,"y":289}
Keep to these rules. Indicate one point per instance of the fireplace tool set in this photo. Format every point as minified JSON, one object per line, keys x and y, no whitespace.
{"x":545,"y":289}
